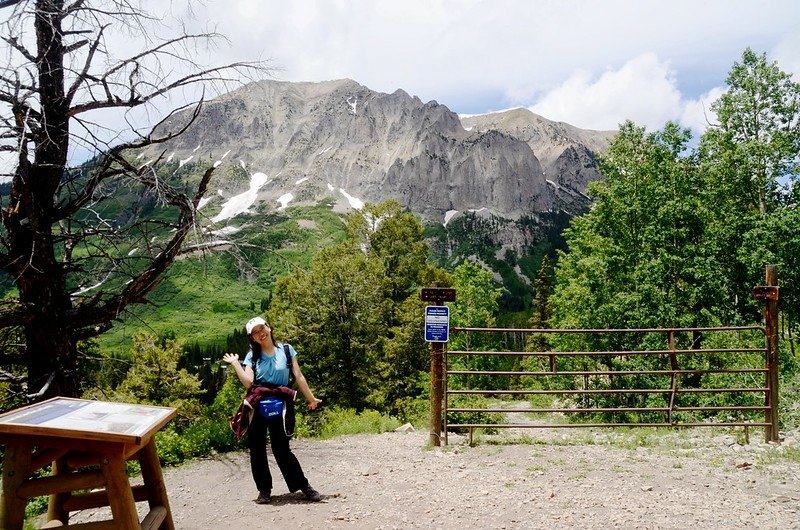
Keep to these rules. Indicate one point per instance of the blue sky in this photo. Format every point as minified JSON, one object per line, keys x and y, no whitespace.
{"x":589,"y":63}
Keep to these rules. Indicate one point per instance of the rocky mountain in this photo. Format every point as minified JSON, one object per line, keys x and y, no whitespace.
{"x":300,"y":142}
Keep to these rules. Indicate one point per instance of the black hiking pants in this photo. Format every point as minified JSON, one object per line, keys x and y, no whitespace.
{"x":279,"y":442}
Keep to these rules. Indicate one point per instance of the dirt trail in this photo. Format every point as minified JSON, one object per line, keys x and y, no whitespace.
{"x":563,"y":479}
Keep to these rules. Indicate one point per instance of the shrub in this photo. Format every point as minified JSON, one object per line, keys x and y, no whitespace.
{"x":339,"y":422}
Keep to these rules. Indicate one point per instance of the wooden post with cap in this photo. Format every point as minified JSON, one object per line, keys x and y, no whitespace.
{"x":437,"y":295}
{"x":770,"y":294}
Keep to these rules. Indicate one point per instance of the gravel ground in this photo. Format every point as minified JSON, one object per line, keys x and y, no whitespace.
{"x":558,"y":478}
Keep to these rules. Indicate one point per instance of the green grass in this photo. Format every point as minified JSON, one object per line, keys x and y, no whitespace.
{"x":781,"y":454}
{"x":203,"y":299}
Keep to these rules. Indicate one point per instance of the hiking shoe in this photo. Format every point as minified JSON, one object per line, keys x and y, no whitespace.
{"x":312,"y":494}
{"x":263,"y":497}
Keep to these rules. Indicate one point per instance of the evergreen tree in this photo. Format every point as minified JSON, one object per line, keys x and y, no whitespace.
{"x":540,"y":319}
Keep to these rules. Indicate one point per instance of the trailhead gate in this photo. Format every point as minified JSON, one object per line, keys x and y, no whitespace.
{"x":688,"y":377}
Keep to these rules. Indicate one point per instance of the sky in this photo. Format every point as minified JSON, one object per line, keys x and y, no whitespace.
{"x":592,"y":64}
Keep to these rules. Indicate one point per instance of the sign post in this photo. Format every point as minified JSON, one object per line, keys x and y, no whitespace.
{"x":437,"y":330}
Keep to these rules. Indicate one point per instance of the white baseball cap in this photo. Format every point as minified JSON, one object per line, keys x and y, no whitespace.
{"x":253,"y":322}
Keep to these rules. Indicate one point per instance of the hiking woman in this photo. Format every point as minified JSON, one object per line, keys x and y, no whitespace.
{"x":265,"y":374}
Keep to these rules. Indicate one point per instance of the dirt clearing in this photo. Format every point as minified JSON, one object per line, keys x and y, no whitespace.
{"x":558,"y":479}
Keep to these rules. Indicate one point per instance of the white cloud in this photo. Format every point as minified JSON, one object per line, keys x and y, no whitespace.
{"x":787,"y":53}
{"x":459,"y":50}
{"x":697,"y":114}
{"x":643,"y":90}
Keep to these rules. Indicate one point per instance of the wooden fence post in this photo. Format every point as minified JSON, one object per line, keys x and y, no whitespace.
{"x":436,"y":394}
{"x":771,"y":327}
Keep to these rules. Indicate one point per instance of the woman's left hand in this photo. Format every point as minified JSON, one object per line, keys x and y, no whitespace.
{"x":314,"y":404}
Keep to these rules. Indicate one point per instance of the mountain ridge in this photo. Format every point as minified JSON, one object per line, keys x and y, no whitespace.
{"x":316,"y":139}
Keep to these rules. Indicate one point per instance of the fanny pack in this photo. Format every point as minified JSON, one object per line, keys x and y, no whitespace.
{"x":270,"y":407}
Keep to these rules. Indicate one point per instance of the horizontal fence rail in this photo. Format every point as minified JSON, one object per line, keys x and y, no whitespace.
{"x":606,"y":375}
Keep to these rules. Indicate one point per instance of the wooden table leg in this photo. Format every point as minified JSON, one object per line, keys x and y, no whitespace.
{"x":12,"y":508}
{"x":55,"y":506}
{"x":154,"y":482}
{"x":120,"y":496}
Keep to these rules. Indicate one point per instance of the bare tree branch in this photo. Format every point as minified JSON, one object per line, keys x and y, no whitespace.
{"x":8,"y":377}
{"x":135,"y":100}
{"x":14,"y":43}
{"x":105,"y":171}
{"x":91,"y":314}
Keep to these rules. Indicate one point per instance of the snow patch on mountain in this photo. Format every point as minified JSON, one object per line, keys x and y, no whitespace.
{"x":284,"y":200}
{"x":226,"y":231}
{"x":449,"y":215}
{"x":355,"y":202}
{"x":240,"y":203}
{"x":462,"y":116}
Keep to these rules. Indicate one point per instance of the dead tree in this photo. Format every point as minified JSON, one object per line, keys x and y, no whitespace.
{"x":75,"y":269}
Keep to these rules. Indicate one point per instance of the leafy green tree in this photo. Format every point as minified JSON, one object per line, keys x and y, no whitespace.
{"x":396,"y":238}
{"x":633,"y":259}
{"x":756,"y":146}
{"x":751,"y":161}
{"x":679,"y":238}
{"x":476,"y":301}
{"x":154,"y":378}
{"x":775,"y":240}
{"x":476,"y":306}
{"x":636,"y":260}
{"x":334,"y":315}
{"x":355,"y":315}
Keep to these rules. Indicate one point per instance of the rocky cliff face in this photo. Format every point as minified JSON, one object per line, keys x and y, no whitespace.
{"x":567,"y":154}
{"x":341,"y":139}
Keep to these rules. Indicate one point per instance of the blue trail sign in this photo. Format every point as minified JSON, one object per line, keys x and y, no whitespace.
{"x":437,"y":323}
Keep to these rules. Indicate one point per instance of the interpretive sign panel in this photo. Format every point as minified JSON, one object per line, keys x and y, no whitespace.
{"x":65,"y":416}
{"x":437,"y":323}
